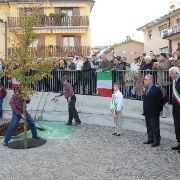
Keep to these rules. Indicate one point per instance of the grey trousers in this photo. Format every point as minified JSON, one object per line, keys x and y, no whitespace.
{"x":118,"y":122}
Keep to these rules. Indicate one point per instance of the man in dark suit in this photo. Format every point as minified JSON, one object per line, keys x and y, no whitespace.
{"x":174,"y":73}
{"x":152,"y":106}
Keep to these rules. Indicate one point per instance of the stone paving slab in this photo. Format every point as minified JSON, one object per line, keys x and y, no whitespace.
{"x":92,"y":154}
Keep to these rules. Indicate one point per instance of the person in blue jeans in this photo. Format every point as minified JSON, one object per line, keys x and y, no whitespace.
{"x":3,"y":94}
{"x":16,"y":104}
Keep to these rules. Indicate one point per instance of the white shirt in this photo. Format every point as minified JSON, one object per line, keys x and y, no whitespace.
{"x":79,"y":64}
{"x":117,"y":101}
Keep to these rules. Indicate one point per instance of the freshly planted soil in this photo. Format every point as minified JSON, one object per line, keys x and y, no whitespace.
{"x":19,"y":129}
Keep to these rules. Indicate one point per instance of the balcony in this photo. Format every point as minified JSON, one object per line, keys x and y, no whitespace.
{"x":55,"y":51}
{"x":171,"y":33}
{"x":49,"y":22}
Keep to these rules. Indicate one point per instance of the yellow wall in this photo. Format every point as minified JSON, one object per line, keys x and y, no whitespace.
{"x":48,"y":11}
{"x":50,"y":39}
{"x":85,"y":39}
{"x":2,"y":40}
{"x":85,"y":11}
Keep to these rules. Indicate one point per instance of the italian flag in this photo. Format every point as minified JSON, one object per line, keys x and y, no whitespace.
{"x":175,"y":93}
{"x":104,"y":84}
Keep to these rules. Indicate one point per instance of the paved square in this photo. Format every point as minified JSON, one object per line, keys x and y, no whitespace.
{"x":92,"y":154}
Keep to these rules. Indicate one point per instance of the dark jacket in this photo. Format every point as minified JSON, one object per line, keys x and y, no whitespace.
{"x":176,"y":106}
{"x":148,"y":66}
{"x":86,"y":70}
{"x":72,"y":67}
{"x":86,"y":65}
{"x":153,"y":102}
{"x":119,"y":66}
{"x":3,"y":91}
{"x":105,"y":65}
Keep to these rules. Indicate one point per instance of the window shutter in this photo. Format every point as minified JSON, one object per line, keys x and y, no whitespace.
{"x":21,"y":12}
{"x":76,"y":11}
{"x":77,"y":40}
{"x":57,"y":10}
{"x":59,"y":40}
{"x":76,"y":17}
{"x":41,"y":11}
{"x":41,"y":41}
{"x":59,"y":45}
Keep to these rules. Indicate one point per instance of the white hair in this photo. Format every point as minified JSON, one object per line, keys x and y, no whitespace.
{"x":149,"y":76}
{"x":174,"y":70}
{"x":147,"y":58}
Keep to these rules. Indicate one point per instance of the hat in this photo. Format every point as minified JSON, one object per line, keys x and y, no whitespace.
{"x":63,"y":79}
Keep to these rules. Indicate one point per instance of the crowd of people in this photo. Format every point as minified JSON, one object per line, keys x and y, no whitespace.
{"x":130,"y":75}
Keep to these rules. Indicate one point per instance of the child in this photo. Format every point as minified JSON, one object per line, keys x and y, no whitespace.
{"x":116,"y":108}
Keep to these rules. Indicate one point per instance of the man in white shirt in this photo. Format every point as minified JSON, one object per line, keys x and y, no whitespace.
{"x":78,"y":61}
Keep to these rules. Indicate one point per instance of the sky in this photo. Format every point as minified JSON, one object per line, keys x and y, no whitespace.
{"x":113,"y":20}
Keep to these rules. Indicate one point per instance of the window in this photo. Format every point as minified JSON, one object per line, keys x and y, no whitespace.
{"x":178,"y":21}
{"x":67,"y":11}
{"x":68,"y":41}
{"x":34,"y":43}
{"x":28,"y":11}
{"x":164,"y":50}
{"x":150,"y":34}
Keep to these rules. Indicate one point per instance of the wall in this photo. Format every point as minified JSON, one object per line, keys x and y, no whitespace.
{"x":129,"y":48}
{"x":157,"y":42}
{"x":92,"y":110}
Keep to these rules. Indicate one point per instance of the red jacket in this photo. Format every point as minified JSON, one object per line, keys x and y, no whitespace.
{"x":3,"y":91}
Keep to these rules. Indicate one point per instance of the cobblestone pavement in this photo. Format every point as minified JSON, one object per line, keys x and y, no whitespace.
{"x":92,"y":154}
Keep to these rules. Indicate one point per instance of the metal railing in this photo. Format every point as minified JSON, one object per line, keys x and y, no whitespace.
{"x":55,"y":51}
{"x":170,"y":31}
{"x":85,"y":82}
{"x":51,"y":21}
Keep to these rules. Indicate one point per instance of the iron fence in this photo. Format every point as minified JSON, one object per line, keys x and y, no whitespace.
{"x":85,"y":82}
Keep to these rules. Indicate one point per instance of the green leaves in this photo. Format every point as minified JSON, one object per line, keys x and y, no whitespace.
{"x":24,"y":67}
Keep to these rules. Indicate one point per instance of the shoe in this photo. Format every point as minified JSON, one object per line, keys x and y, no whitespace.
{"x":114,"y":133}
{"x":117,"y":134}
{"x":5,"y":143}
{"x":36,"y":137}
{"x":68,"y":124}
{"x":175,"y":148}
{"x":78,"y":123}
{"x":155,"y":144}
{"x":148,"y":142}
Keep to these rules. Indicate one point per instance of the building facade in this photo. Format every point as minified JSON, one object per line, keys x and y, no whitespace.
{"x":130,"y":49}
{"x":162,"y":34}
{"x":64,"y":28}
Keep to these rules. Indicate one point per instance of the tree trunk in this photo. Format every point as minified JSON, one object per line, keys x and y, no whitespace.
{"x":25,"y":126}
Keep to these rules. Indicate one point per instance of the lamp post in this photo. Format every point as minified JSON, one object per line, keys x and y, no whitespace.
{"x":5,"y":24}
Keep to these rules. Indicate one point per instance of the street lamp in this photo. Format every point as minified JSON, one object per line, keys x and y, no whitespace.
{"x":5,"y":24}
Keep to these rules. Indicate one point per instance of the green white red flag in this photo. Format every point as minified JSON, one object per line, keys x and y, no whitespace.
{"x":175,"y":93}
{"x":104,"y":84}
